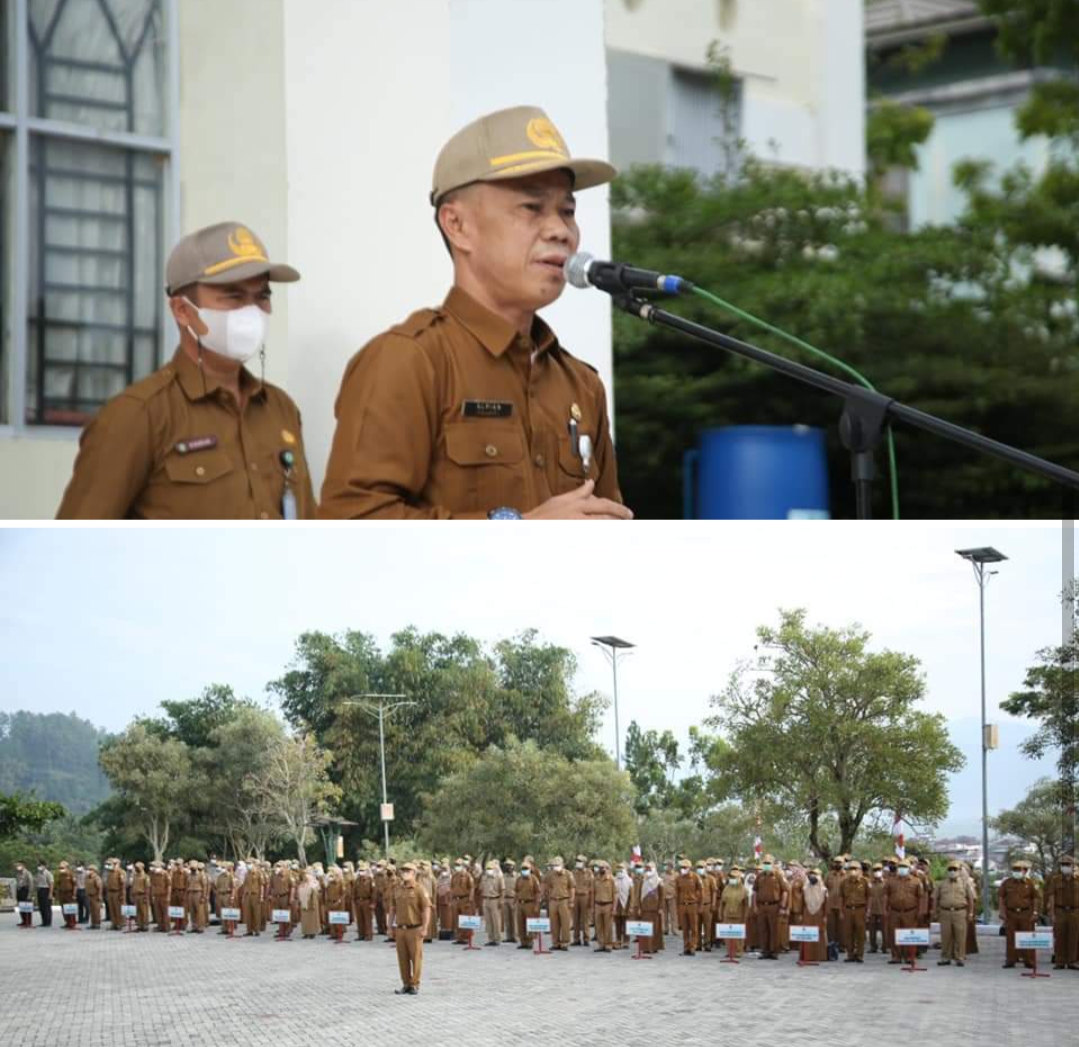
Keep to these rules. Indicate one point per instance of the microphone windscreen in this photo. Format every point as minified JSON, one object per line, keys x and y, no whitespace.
{"x":576,"y":268}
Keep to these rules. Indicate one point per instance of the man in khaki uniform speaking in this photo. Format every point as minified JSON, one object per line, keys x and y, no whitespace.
{"x":201,"y":438}
{"x":474,"y":409}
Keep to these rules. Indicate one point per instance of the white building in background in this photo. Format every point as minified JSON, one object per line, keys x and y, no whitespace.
{"x":971,"y":91}
{"x":125,"y":123}
{"x":799,"y":71}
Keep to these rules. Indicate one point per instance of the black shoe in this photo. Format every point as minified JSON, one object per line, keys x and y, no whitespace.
{"x":849,"y":959}
{"x":944,"y":963}
{"x":414,"y":990}
{"x":858,"y":959}
{"x":960,"y":963}
{"x":523,"y":946}
{"x":406,"y":991}
{"x":1006,"y":965}
{"x":487,"y":944}
{"x":894,"y":960}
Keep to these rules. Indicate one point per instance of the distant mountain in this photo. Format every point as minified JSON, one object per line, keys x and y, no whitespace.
{"x":53,"y":755}
{"x":1010,"y":773}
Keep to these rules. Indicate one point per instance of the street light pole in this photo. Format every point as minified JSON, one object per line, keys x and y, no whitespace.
{"x":611,"y":646}
{"x":356,"y":699}
{"x":978,"y":559}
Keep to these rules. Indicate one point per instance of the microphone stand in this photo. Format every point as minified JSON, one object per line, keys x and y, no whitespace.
{"x":864,"y":411}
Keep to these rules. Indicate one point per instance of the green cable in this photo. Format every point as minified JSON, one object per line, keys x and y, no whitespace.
{"x":801,"y":343}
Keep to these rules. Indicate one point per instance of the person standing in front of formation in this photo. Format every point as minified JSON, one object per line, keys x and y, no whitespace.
{"x":408,"y":912}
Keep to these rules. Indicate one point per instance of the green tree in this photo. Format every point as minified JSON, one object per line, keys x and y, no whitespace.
{"x":519,"y":799}
{"x":466,"y":699}
{"x":292,"y":787}
{"x":832,"y":729}
{"x":66,"y":837}
{"x":652,"y":761}
{"x":1050,"y":696}
{"x":969,"y":321}
{"x":153,"y":777}
{"x":194,"y":720}
{"x":20,"y":814}
{"x":1034,"y":821}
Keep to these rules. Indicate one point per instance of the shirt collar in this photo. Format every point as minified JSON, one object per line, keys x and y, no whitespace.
{"x":494,"y":333}
{"x":199,"y":384}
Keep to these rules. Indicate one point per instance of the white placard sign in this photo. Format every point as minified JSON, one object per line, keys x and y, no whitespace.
{"x":339,"y":918}
{"x":805,"y":934}
{"x":639,"y":928}
{"x":26,"y":906}
{"x":226,"y":914}
{"x":538,"y":925}
{"x":470,"y":923}
{"x":911,"y":936}
{"x":176,"y":912}
{"x":69,"y":910}
{"x":285,"y":916}
{"x":128,"y":910}
{"x":1033,"y":939}
{"x":731,"y":931}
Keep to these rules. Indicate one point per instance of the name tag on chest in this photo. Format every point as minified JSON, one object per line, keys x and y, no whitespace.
{"x":487,"y":409}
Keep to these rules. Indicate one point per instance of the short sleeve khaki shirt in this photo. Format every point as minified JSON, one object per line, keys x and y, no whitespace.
{"x":175,"y":446}
{"x":453,"y":414}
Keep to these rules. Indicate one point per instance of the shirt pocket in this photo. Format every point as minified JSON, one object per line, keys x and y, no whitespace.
{"x":486,"y":466}
{"x":200,"y":468}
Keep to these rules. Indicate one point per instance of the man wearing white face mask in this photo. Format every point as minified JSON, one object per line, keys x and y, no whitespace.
{"x":201,"y":438}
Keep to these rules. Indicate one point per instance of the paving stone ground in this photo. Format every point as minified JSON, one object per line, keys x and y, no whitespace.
{"x":91,"y":988}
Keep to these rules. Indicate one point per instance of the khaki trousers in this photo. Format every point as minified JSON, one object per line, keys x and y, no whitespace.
{"x":604,"y":925}
{"x":767,"y":928}
{"x":1066,"y":936}
{"x":688,"y":916}
{"x":410,"y":955}
{"x":953,"y":934}
{"x":855,"y":922}
{"x":582,"y":910}
{"x":492,"y":919}
{"x":558,"y":909}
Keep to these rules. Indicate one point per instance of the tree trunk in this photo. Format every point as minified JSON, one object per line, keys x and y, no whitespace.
{"x":814,"y":828}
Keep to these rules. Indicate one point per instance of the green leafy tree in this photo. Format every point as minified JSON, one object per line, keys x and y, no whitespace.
{"x":65,"y":837}
{"x":20,"y":814}
{"x":967,"y":321}
{"x":153,"y":777}
{"x":1034,"y":821}
{"x":292,"y":787}
{"x":194,"y":720}
{"x":832,"y":730}
{"x":519,"y":799}
{"x":466,"y":699}
{"x":1050,"y":696}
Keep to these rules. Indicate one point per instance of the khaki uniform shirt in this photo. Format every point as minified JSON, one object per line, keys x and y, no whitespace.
{"x":174,"y":446}
{"x":453,"y":413}
{"x":410,"y":905}
{"x":953,"y":894}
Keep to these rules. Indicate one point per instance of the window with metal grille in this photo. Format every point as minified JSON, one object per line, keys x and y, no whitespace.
{"x":93,"y":201}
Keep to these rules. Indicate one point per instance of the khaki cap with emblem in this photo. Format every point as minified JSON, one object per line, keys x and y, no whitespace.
{"x":222,"y":254}
{"x":511,"y":143}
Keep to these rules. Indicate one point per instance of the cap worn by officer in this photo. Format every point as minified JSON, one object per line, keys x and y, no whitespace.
{"x":510,"y":143}
{"x":408,"y":866}
{"x":225,"y":253}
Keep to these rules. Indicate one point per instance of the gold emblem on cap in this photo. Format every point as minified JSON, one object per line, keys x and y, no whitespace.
{"x":542,"y":133}
{"x":575,"y":413}
{"x":242,"y":244}
{"x":287,"y":436}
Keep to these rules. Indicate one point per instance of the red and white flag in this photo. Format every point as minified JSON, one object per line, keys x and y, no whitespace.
{"x":897,"y":833}
{"x":637,"y":852}
{"x":758,"y":846}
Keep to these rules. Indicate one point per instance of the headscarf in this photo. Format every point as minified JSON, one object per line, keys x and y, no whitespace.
{"x":651,"y":882}
{"x":622,"y":883}
{"x":308,"y":886}
{"x":815,"y":895}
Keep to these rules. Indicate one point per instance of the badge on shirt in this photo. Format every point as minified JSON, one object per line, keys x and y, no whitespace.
{"x":487,"y":409}
{"x":196,"y":443}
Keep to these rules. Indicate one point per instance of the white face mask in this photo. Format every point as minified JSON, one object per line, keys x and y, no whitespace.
{"x":525,"y":872}
{"x":1066,"y":870}
{"x":557,"y":868}
{"x":580,"y":865}
{"x":235,"y":333}
{"x":878,"y":875}
{"x":953,"y":874}
{"x":904,"y":872}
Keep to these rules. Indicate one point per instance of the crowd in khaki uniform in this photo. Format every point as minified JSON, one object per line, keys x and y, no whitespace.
{"x":853,"y":904}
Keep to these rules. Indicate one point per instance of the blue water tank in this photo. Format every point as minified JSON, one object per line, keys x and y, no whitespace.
{"x":757,"y":472}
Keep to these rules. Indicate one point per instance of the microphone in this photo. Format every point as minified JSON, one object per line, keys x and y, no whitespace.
{"x":582,"y":270}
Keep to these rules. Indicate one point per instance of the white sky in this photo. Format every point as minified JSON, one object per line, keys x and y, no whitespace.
{"x":108,"y":621}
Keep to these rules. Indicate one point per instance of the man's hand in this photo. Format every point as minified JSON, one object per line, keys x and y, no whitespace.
{"x":580,"y":504}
